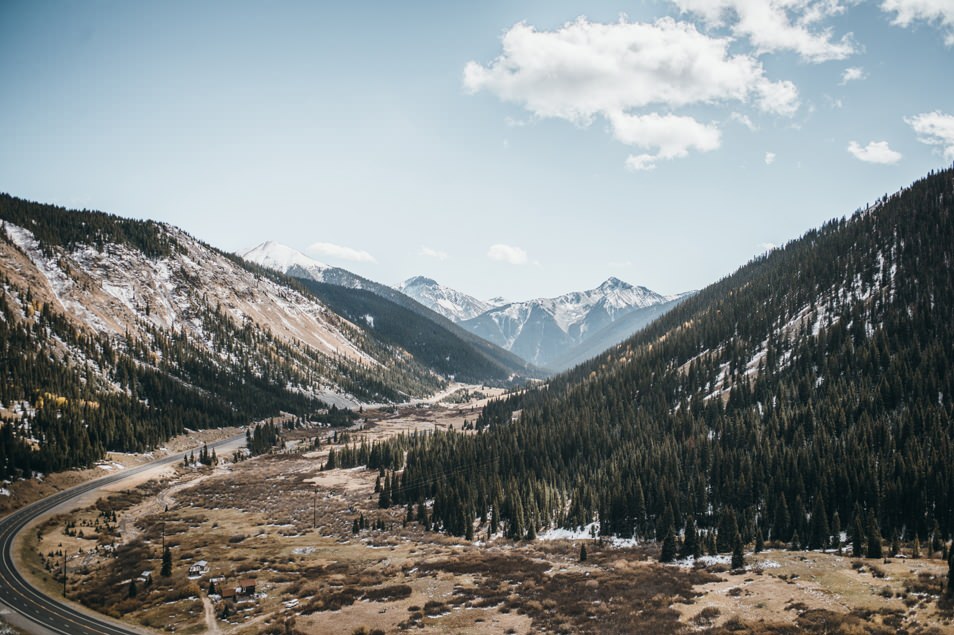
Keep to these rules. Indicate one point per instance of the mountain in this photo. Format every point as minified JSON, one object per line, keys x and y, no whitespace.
{"x":812,"y":391}
{"x":286,"y":260}
{"x":554,"y":332}
{"x":449,"y":352}
{"x":450,"y":303}
{"x":116,"y":334}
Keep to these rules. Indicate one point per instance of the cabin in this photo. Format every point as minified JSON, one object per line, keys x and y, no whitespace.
{"x":198,"y":569}
{"x":228,"y":594}
{"x":246,"y":586}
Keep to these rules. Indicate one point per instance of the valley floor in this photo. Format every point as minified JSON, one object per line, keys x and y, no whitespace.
{"x":278,"y":522}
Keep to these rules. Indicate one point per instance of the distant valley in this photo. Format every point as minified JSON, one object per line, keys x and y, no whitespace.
{"x":550,"y":333}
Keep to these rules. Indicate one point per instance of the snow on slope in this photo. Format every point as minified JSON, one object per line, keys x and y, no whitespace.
{"x":119,"y":290}
{"x":450,"y":303}
{"x":545,"y":329}
{"x":285,"y":259}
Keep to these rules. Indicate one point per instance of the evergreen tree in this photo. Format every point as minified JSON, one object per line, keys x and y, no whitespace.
{"x":728,"y":528}
{"x":836,"y":531}
{"x":819,"y":536}
{"x":857,"y":536}
{"x":132,"y":588}
{"x":583,"y":553}
{"x":874,"y":536}
{"x":166,"y":569}
{"x":690,"y":544}
{"x":796,"y":542}
{"x":759,"y":541}
{"x":738,"y":553}
{"x":668,"y":553}
{"x":950,"y":574}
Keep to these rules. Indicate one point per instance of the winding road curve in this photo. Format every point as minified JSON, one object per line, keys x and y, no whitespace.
{"x":45,"y":613}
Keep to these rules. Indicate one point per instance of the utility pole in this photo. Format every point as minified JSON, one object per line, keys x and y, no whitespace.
{"x":314,"y":512}
{"x":64,"y":572}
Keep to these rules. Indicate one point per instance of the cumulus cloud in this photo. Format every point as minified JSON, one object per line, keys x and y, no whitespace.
{"x":508,"y":253}
{"x":586,"y":70}
{"x":672,"y":137}
{"x":938,"y":12}
{"x":769,"y":158}
{"x":874,"y":152}
{"x":340,"y":251}
{"x":851,"y":74}
{"x":778,"y":25}
{"x":936,"y":129}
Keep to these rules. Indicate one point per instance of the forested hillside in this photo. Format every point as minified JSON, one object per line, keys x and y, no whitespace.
{"x":810,"y":392}
{"x":429,"y":341}
{"x":116,"y":334}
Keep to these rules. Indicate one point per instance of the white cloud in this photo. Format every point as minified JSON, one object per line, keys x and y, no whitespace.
{"x":508,"y":253}
{"x":777,"y":25}
{"x":340,"y":251}
{"x":851,"y":74}
{"x":874,"y":152}
{"x":939,"y":12}
{"x":433,"y":253}
{"x":936,"y":129}
{"x":672,"y":137}
{"x":585,"y":70}
{"x":744,"y":120}
{"x":769,"y":158}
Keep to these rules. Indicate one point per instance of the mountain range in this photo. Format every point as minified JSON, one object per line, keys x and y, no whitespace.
{"x":553,"y":333}
{"x":550,"y":333}
{"x":118,"y":333}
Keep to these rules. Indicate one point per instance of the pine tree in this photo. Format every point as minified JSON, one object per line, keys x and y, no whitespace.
{"x":583,"y":553}
{"x":738,"y":554}
{"x":796,"y":542}
{"x":211,"y":590}
{"x":836,"y":532}
{"x":668,"y":553}
{"x":874,"y":536}
{"x":690,"y":544}
{"x":759,"y":541}
{"x":166,"y":569}
{"x":132,"y":588}
{"x":819,"y":536}
{"x":857,"y":536}
{"x":950,"y":574}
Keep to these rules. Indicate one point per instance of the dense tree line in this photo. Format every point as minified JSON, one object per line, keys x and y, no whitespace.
{"x":812,"y":390}
{"x":70,"y":393}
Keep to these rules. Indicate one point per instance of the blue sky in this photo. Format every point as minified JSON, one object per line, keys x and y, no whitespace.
{"x":515,"y":149}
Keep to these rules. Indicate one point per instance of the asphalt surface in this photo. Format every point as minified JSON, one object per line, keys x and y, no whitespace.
{"x":45,"y":613}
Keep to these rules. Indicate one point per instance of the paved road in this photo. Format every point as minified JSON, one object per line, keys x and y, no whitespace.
{"x":44,"y":613}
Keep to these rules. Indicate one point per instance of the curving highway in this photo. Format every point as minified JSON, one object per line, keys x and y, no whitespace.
{"x":49,"y":614}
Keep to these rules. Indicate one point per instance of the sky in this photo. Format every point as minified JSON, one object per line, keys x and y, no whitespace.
{"x":515,"y":149}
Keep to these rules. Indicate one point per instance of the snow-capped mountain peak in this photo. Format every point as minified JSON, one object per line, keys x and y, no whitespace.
{"x":545,"y":329}
{"x":283,"y":258}
{"x":450,"y":303}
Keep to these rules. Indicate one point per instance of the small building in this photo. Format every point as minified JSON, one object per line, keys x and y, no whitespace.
{"x":228,"y":594}
{"x":246,"y":586}
{"x":198,"y":569}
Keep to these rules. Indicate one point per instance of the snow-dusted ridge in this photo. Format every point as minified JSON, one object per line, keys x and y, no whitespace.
{"x":450,"y":303}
